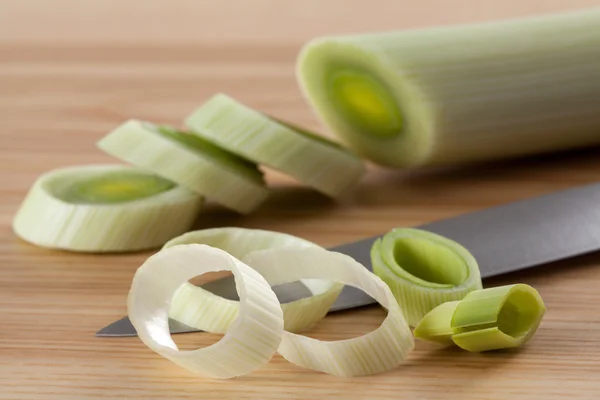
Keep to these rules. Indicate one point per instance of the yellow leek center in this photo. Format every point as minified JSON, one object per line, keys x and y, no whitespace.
{"x":366,"y":103}
{"x":115,"y":188}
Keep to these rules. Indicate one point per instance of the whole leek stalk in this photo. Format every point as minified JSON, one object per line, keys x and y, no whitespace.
{"x":460,"y":94}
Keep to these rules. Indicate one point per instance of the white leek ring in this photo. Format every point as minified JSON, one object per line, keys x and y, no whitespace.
{"x":378,"y":351}
{"x":201,"y":309}
{"x":251,"y":339}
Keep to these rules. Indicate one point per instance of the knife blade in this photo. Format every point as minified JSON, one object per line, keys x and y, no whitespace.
{"x":503,"y":239}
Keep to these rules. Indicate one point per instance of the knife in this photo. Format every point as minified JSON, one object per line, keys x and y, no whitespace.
{"x":503,"y":239}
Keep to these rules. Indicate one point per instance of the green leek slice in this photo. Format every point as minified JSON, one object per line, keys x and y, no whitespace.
{"x":104,"y":208}
{"x":251,"y":339}
{"x":460,"y":94}
{"x":313,"y":160}
{"x":424,"y":270}
{"x":189,"y":161}
{"x":378,"y":351}
{"x":201,"y":309}
{"x":488,"y":319}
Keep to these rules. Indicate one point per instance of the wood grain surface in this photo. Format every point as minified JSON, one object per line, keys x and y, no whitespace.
{"x":71,"y":70}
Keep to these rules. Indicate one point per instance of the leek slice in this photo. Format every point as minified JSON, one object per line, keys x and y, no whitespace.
{"x":460,"y":94}
{"x":488,"y":319}
{"x":104,"y":208}
{"x":189,"y":161}
{"x":312,"y":159}
{"x":251,"y":339}
{"x":424,"y":270}
{"x":201,"y":309}
{"x":378,"y":351}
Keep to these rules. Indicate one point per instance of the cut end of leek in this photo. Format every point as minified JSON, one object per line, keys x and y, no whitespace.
{"x":358,"y":95}
{"x":424,"y":270}
{"x":488,"y":319}
{"x":310,"y":159}
{"x":201,"y":309}
{"x":189,"y":161}
{"x":104,"y":208}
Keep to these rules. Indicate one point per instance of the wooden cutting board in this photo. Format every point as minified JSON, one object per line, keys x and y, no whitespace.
{"x":72,"y":70}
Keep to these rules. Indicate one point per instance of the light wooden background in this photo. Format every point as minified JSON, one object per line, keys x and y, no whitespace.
{"x":70,"y":70}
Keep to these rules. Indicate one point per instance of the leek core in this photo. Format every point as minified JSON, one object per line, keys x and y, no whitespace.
{"x":114,"y":187}
{"x":367,"y":102}
{"x":425,"y":260}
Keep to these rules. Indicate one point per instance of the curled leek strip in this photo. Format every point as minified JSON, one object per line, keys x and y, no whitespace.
{"x":189,"y":161}
{"x":424,"y":270}
{"x":377,"y":351}
{"x":251,"y":339}
{"x":102,"y":208}
{"x":488,"y":319}
{"x":201,"y":309}
{"x":312,"y":159}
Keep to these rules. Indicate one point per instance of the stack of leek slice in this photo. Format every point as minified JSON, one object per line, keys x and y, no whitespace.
{"x":257,"y":326}
{"x":117,"y":208}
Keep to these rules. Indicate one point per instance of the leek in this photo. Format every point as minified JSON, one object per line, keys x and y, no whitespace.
{"x":311,"y":159}
{"x":251,"y":339}
{"x":460,"y":94}
{"x":424,"y":270}
{"x":488,"y":319}
{"x":380,"y":350}
{"x":104,"y":208}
